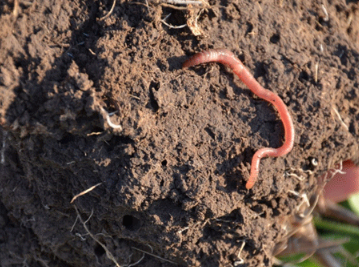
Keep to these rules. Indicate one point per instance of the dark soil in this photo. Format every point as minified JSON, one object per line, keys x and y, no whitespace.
{"x":173,"y":180}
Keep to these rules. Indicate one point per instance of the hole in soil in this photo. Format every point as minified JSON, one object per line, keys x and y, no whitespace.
{"x":153,"y":103}
{"x":210,"y":133}
{"x":249,"y":28}
{"x":154,"y":85}
{"x":275,"y":38}
{"x":304,"y":76}
{"x":131,"y":223}
{"x":164,"y":163}
{"x":261,"y":70}
{"x":66,"y":139}
{"x":99,"y":251}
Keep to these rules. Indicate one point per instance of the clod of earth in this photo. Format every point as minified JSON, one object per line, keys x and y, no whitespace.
{"x":226,"y":57}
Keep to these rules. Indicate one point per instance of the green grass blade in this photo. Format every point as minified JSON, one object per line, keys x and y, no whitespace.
{"x":336,"y":227}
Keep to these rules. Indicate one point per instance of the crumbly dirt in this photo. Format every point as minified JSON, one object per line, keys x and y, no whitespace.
{"x":172,"y":179}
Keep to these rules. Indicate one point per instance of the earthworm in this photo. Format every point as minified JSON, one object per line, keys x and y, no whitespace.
{"x":226,"y":57}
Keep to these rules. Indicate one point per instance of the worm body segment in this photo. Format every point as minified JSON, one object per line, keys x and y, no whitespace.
{"x":226,"y":57}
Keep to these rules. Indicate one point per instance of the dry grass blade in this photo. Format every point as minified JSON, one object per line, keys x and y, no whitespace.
{"x":84,"y":192}
{"x":110,"y":12}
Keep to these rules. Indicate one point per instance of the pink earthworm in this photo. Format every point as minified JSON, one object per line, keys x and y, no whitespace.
{"x":226,"y":57}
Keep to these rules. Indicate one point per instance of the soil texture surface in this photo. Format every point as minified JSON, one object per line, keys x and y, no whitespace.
{"x":93,"y":96}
